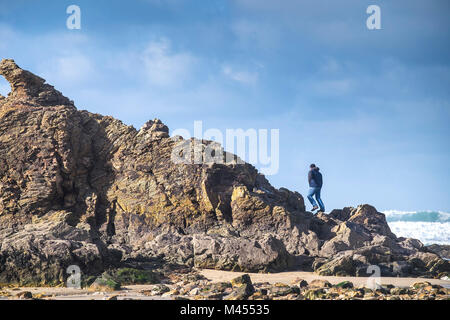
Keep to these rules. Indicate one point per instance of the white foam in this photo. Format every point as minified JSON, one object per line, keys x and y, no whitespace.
{"x":427,"y":232}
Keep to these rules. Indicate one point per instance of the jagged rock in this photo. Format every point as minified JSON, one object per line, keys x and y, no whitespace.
{"x":78,"y":188}
{"x":418,"y":285}
{"x":345,"y":285}
{"x":401,"y":268}
{"x":154,"y":129}
{"x":217,"y":290}
{"x":240,"y":293}
{"x":301,"y":283}
{"x":441,"y":250}
{"x":240,"y":254}
{"x":24,"y":295}
{"x":315,"y":294}
{"x":129,"y":276}
{"x":40,"y":254}
{"x":342,"y":266}
{"x":320,"y":284}
{"x":280,"y":290}
{"x":160,"y":289}
{"x":243,"y":288}
{"x":28,"y":89}
{"x":104,"y":283}
{"x":348,"y":236}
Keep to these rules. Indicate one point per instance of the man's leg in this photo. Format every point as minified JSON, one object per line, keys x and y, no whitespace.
{"x":319,"y":200}
{"x":311,"y":192}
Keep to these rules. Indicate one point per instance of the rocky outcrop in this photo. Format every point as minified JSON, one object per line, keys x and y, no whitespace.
{"x":28,"y":89}
{"x":442,"y":250}
{"x":85,"y":189}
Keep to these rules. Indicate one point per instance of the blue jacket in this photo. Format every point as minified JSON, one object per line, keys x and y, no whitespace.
{"x":315,"y":178}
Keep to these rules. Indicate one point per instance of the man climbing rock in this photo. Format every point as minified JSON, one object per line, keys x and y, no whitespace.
{"x":315,"y":185}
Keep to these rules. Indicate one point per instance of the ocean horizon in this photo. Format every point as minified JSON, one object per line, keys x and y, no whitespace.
{"x":430,"y":227}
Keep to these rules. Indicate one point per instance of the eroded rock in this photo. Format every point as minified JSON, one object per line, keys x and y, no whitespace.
{"x":78,"y":188}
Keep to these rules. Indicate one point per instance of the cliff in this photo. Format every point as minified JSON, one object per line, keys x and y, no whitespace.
{"x":78,"y":188}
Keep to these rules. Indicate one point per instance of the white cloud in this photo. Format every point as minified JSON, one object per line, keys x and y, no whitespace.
{"x":164,"y":67}
{"x":62,"y":58}
{"x":241,"y":76}
{"x":69,"y":69}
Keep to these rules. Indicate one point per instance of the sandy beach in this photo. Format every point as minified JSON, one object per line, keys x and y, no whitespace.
{"x":138,"y":292}
{"x":288,"y":277}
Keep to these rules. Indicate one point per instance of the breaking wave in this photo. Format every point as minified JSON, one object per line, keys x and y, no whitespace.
{"x":425,"y":216}
{"x":428,"y":226}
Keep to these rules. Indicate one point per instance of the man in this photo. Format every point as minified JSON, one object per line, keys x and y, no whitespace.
{"x":315,"y":185}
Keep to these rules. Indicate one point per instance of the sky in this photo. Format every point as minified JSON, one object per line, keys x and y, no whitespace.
{"x":370,"y":107}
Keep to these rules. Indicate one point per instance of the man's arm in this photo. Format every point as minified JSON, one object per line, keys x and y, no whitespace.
{"x":310,"y":177}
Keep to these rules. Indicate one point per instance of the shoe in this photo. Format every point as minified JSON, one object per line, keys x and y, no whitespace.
{"x":314,"y":208}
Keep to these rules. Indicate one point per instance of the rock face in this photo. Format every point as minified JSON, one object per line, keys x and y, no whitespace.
{"x":442,"y":250}
{"x":83,"y":189}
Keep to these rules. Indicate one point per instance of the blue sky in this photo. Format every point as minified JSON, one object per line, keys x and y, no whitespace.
{"x":370,"y":107}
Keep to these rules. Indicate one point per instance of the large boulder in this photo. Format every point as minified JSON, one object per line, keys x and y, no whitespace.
{"x":241,"y":254}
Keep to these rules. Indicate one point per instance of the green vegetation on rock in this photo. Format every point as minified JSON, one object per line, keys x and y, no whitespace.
{"x":345,"y":285}
{"x":134,"y":276}
{"x":105,"y":283}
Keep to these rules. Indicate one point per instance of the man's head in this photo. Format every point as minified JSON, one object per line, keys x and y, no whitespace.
{"x":312,"y":166}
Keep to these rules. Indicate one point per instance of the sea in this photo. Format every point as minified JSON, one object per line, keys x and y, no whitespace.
{"x":430,"y":227}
